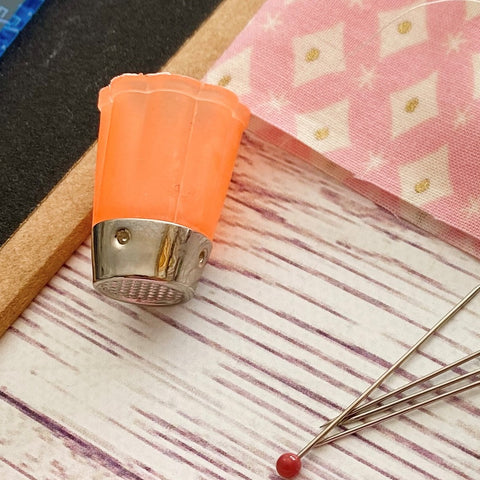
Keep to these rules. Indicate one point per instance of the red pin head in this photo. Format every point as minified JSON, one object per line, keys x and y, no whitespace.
{"x":288,"y":465}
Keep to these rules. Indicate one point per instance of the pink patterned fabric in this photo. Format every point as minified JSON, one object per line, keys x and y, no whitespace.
{"x":384,"y":95}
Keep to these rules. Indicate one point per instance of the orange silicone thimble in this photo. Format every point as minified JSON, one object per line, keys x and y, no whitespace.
{"x":166,"y":149}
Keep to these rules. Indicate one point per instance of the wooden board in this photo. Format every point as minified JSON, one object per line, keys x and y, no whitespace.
{"x":62,"y":221}
{"x":311,"y":292}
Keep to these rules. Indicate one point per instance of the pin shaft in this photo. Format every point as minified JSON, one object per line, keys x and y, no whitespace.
{"x":424,"y":403}
{"x":416,"y":382}
{"x":388,"y":406}
{"x":363,"y":411}
{"x":339,"y":419}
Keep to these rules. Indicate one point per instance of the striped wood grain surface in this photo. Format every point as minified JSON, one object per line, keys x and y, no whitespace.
{"x":311,"y":292}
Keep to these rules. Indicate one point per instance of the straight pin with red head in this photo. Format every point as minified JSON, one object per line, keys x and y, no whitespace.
{"x":289,"y":464}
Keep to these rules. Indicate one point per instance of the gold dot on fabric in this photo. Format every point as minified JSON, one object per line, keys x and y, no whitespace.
{"x":404,"y":27}
{"x":422,"y":185}
{"x":412,"y":104}
{"x":225,"y":80}
{"x":312,"y":55}
{"x":322,"y":133}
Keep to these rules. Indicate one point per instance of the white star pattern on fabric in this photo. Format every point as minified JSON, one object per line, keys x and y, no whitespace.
{"x":233,"y":74}
{"x":276,"y":102}
{"x":476,"y":75}
{"x":375,"y":162}
{"x":356,"y":3}
{"x":454,"y":42}
{"x":272,"y":22}
{"x":318,"y":54}
{"x":462,"y":117}
{"x":410,"y":73}
{"x":367,"y":77}
{"x":427,"y":179}
{"x":473,"y":209}
{"x":473,"y":10}
{"x":414,"y":105}
{"x":325,"y":130}
{"x":399,"y":30}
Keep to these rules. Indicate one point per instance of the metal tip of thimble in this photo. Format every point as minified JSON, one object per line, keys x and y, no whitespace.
{"x":144,"y":291}
{"x":147,"y":262}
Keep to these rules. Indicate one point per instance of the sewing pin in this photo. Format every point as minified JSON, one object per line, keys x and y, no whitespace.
{"x":289,"y":464}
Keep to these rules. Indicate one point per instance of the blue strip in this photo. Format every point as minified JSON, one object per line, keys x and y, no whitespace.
{"x":11,"y":25}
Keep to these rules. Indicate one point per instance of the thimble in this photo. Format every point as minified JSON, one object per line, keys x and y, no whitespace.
{"x":166,"y":149}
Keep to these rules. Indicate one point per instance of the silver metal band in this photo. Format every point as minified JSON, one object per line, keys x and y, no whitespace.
{"x":147,"y":261}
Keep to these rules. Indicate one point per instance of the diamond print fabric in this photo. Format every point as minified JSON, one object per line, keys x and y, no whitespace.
{"x":384,"y":95}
